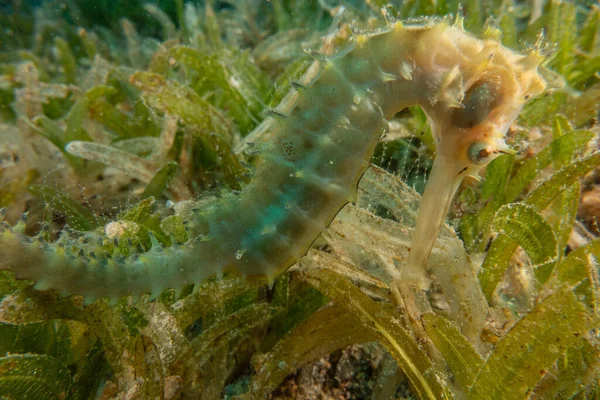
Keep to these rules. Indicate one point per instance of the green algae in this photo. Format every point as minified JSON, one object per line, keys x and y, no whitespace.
{"x":33,"y":375}
{"x":309,"y":341}
{"x":79,"y":216}
{"x":532,"y":346}
{"x":385,"y":327}
{"x":171,"y":110}
{"x":525,"y":226}
{"x":464,"y":361}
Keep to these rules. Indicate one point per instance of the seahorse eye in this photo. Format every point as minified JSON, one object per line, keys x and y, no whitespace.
{"x":478,"y":152}
{"x":479,"y":100}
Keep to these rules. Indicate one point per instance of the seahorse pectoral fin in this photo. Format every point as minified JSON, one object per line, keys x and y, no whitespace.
{"x":446,"y":175}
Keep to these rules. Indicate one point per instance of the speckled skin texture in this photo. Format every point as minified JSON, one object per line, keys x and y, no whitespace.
{"x":471,"y":90}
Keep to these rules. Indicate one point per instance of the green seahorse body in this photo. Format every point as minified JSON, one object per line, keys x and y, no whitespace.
{"x":310,"y":170}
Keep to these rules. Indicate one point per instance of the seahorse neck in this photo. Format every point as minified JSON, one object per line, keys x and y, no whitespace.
{"x":397,"y":81}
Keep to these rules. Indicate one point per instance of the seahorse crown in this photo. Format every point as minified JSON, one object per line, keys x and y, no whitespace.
{"x":479,"y":88}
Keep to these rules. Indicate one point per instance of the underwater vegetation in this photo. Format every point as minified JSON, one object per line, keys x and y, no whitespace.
{"x":123,"y":127}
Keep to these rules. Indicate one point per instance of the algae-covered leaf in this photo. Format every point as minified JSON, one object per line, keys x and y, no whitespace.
{"x":205,"y":121}
{"x":66,"y":340}
{"x":232,"y":325}
{"x":67,"y":60}
{"x":560,"y":126}
{"x":215,"y":371}
{"x":586,"y":69}
{"x":572,"y":375}
{"x":503,"y":247}
{"x":581,"y":109}
{"x":517,"y":224}
{"x":386,"y":328}
{"x":134,"y":319}
{"x":100,"y":91}
{"x":302,"y":304}
{"x":565,"y":214}
{"x":370,"y":280}
{"x":209,"y":73}
{"x":174,"y":226}
{"x":51,"y":131}
{"x":493,"y":191}
{"x":130,"y":164}
{"x":90,"y":43}
{"x":312,"y":339}
{"x":33,"y":376}
{"x":537,"y":110}
{"x":133,"y":40}
{"x":168,"y":27}
{"x":547,"y":191}
{"x":255,"y":85}
{"x":464,"y":361}
{"x":85,"y":381}
{"x":148,"y":371}
{"x":28,"y":55}
{"x":495,"y":263}
{"x":78,"y":216}
{"x":588,"y":35}
{"x":149,"y":224}
{"x":497,"y":174}
{"x":8,"y":284}
{"x":159,"y":182}
{"x":560,"y":25}
{"x":563,"y":148}
{"x":508,"y":25}
{"x":75,"y":120}
{"x":531,"y":347}
{"x":139,"y":146}
{"x":525,"y":226}
{"x":209,"y":297}
{"x":139,"y":212}
{"x":581,"y":265}
{"x":566,"y":271}
{"x":212,"y":26}
{"x":114,"y":119}
{"x":56,"y":135}
{"x":178,"y":100}
{"x":113,"y":332}
{"x":210,"y":351}
{"x":103,"y":107}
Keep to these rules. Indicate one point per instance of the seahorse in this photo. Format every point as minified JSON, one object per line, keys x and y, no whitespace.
{"x":471,"y":90}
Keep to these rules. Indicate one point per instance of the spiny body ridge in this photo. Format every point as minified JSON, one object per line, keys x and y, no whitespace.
{"x":470,"y":89}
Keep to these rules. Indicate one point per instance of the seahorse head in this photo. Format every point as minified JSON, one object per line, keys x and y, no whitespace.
{"x":478,"y":91}
{"x":472,"y":92}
